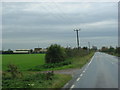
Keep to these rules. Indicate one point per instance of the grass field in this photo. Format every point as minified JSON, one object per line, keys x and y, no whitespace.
{"x":23,"y":61}
{"x":26,"y":61}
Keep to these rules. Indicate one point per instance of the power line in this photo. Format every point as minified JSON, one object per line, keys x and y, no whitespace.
{"x":49,"y":10}
{"x":64,"y":14}
{"x":60,"y":14}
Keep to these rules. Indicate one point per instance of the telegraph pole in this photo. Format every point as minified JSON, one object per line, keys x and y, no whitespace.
{"x":89,"y":46}
{"x":77,"y":37}
{"x":38,"y":45}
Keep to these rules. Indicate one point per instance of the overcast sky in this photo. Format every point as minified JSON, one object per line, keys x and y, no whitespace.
{"x":25,"y":25}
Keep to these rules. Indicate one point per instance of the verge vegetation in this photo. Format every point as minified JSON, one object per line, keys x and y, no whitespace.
{"x":34,"y":80}
{"x":72,"y":62}
{"x":56,"y":58}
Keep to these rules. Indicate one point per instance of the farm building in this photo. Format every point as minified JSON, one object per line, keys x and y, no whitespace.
{"x":37,"y":50}
{"x":44,"y":50}
{"x":22,"y":51}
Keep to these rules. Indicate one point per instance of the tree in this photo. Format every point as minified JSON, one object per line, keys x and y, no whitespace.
{"x":104,"y":49}
{"x":55,"y":54}
{"x":111,"y":49}
{"x":117,"y":51}
{"x":85,"y":48}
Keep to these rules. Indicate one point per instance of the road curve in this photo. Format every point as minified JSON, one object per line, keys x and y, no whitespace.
{"x":100,"y":72}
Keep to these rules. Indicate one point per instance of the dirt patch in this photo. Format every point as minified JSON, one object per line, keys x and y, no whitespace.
{"x":65,"y":71}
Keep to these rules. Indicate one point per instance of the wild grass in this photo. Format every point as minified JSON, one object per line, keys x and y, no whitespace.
{"x":35,"y":80}
{"x":78,"y":62}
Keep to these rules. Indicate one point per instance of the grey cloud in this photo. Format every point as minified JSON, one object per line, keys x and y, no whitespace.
{"x":37,"y":18}
{"x":21,"y":22}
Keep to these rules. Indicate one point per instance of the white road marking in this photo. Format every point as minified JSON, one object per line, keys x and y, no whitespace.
{"x":91,"y":61}
{"x":78,"y":79}
{"x":84,"y":71}
{"x":72,"y":86}
{"x":81,"y":75}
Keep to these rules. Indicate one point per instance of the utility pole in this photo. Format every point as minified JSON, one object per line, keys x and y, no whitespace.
{"x":38,"y":45}
{"x":89,"y":46}
{"x":77,"y":37}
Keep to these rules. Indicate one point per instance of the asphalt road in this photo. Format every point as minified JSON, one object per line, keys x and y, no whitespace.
{"x":100,"y":72}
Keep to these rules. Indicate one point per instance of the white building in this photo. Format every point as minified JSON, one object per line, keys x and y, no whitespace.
{"x":22,"y":51}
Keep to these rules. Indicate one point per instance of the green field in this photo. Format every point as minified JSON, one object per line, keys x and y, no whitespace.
{"x":23,"y":61}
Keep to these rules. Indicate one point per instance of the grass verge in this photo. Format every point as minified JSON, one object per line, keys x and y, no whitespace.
{"x":79,"y":62}
{"x":36,"y":80}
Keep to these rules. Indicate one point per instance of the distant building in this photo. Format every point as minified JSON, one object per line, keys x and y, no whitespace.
{"x":44,"y":50}
{"x":37,"y":50}
{"x":22,"y":51}
{"x":40,"y":50}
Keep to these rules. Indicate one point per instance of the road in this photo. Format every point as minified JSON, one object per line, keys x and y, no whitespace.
{"x":100,"y":72}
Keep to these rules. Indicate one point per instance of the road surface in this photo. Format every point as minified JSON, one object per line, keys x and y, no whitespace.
{"x":100,"y":72}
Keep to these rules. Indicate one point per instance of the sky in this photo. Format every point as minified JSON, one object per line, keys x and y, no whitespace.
{"x":27,"y":25}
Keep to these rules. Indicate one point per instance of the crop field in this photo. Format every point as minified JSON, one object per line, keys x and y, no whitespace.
{"x":23,"y":61}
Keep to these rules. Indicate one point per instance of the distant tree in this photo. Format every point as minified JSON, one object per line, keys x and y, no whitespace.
{"x":85,"y":48}
{"x":104,"y":49}
{"x":55,"y":54}
{"x":9,"y":51}
{"x":111,"y":50}
{"x":117,"y":51}
{"x":31,"y":51}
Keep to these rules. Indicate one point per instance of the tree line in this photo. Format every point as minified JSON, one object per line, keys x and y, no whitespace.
{"x":111,"y":50}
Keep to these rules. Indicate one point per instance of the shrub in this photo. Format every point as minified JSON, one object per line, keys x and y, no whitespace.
{"x":49,"y":75}
{"x":14,"y":70}
{"x":55,"y":54}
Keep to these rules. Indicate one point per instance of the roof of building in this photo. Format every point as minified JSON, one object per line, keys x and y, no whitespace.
{"x":20,"y":51}
{"x":23,"y":49}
